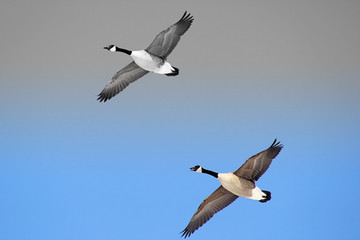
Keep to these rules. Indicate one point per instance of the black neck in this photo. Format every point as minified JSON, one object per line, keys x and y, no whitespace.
{"x":128,"y":52}
{"x":214,"y":174}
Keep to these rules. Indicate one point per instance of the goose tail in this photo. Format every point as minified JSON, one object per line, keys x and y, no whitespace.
{"x":267,"y":197}
{"x":174,"y":72}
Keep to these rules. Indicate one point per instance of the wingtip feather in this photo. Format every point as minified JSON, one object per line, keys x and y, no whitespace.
{"x":185,"y":233}
{"x":102,"y":97}
{"x":187,"y":17}
{"x":276,"y":143}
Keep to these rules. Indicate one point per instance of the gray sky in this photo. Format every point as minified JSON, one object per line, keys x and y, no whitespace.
{"x":247,"y":36}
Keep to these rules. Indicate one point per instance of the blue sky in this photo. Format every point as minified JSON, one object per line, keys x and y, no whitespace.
{"x":74,"y":168}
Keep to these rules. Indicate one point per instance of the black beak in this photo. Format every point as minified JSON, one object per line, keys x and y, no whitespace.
{"x":193,"y":169}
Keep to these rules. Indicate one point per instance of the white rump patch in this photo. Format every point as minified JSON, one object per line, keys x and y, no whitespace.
{"x":257,"y":194}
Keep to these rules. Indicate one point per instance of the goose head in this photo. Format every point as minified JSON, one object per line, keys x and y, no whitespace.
{"x":111,"y":48}
{"x":197,"y":168}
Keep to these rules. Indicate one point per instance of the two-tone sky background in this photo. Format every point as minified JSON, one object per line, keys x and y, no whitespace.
{"x":250,"y":71}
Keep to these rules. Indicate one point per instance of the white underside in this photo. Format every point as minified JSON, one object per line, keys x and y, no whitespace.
{"x":144,"y":60}
{"x":232,"y":183}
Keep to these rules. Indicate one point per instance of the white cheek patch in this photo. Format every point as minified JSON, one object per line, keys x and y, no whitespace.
{"x":199,"y":169}
{"x":113,"y":49}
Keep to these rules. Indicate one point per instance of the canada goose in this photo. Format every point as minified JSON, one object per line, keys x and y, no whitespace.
{"x":151,"y":59}
{"x":240,"y":183}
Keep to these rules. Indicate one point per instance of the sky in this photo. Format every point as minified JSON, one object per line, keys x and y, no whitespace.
{"x":250,"y":71}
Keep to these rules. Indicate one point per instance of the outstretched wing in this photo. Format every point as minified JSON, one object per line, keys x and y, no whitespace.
{"x":257,"y":165}
{"x":217,"y":201}
{"x":121,"y":80}
{"x":166,"y":40}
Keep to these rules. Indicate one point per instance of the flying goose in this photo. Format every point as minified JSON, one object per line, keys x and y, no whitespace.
{"x":240,"y":183}
{"x":151,"y":59}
